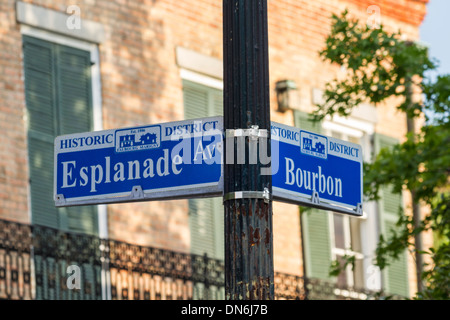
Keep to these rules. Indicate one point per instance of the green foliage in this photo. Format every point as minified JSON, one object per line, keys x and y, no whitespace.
{"x":437,"y":275}
{"x":337,"y":266}
{"x":437,"y":99}
{"x":380,"y":66}
{"x":398,"y":240}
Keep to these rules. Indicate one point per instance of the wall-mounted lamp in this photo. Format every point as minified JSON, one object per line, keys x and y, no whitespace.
{"x":287,"y":95}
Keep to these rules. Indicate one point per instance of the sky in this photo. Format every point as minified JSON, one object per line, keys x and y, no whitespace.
{"x":435,"y":32}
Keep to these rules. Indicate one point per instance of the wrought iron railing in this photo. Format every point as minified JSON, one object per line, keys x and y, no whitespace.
{"x":43,"y":263}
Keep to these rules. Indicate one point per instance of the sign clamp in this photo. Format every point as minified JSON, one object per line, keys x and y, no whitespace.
{"x":137,"y":192}
{"x":60,"y":200}
{"x":254,"y":133}
{"x":249,"y":195}
{"x":359,"y":209}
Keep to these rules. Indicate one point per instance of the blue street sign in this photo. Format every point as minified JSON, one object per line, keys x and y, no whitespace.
{"x":315,"y":170}
{"x":169,"y":160}
{"x":184,"y":160}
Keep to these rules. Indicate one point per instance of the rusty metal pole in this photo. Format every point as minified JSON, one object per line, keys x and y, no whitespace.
{"x":248,"y":217}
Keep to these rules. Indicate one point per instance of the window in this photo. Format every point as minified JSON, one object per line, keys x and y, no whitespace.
{"x":58,"y":93}
{"x":205,"y":215}
{"x":347,"y":243}
{"x":345,"y":230}
{"x":395,"y":276}
{"x":315,"y":223}
{"x":328,"y":236}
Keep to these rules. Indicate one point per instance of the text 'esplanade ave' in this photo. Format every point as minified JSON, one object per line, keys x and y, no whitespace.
{"x":140,"y":163}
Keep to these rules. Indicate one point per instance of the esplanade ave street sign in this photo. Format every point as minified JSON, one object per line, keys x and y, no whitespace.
{"x":316,"y":171}
{"x":169,"y":160}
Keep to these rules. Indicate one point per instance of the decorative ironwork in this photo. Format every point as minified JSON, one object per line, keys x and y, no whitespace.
{"x":53,"y":251}
{"x":34,"y":263}
{"x":15,"y":261}
{"x":149,"y":273}
{"x":289,"y":287}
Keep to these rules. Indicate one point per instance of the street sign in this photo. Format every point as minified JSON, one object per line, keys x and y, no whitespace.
{"x":162,"y":161}
{"x":183,"y":159}
{"x":315,"y":170}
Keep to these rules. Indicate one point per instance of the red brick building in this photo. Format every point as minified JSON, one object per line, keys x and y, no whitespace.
{"x":111,"y":64}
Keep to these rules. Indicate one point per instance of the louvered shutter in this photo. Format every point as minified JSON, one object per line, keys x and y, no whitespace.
{"x":75,"y":102}
{"x":396,"y":274}
{"x":302,"y":121}
{"x":316,"y":230}
{"x":219,"y":228}
{"x":206,"y":224}
{"x":196,"y":103}
{"x":41,"y":113}
{"x":58,"y":99}
{"x":316,"y":235}
{"x":217,"y":102}
{"x":205,"y":215}
{"x":216,"y":109}
{"x":74,"y":90}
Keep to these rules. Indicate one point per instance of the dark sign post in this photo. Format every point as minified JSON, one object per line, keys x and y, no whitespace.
{"x":247,"y":185}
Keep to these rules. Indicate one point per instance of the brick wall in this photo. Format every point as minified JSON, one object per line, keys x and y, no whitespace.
{"x":141,"y":84}
{"x":13,"y":146}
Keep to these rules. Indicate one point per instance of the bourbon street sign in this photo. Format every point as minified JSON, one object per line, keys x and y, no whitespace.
{"x":315,"y":170}
{"x":170,"y":160}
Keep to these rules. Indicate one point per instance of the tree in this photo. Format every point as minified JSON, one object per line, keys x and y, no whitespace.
{"x":381,"y":65}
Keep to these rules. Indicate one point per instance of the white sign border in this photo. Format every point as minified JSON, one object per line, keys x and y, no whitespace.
{"x":192,"y":191}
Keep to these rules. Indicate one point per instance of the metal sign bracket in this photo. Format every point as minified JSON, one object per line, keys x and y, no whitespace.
{"x":60,"y":200}
{"x":315,"y":198}
{"x":137,"y":192}
{"x":254,"y":133}
{"x":249,"y":195}
{"x":359,"y":209}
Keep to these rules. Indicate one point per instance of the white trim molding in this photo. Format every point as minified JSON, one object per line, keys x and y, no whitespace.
{"x":96,"y":94}
{"x":201,"y":79}
{"x":199,"y":63}
{"x":362,"y":115}
{"x":95,"y":60}
{"x":58,"y":22}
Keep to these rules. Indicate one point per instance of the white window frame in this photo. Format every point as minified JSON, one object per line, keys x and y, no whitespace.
{"x":95,"y":60}
{"x":346,"y":132}
{"x":199,"y":68}
{"x":207,"y":81}
{"x":96,"y":93}
{"x":201,"y":79}
{"x":92,"y":48}
{"x":368,"y":234}
{"x":335,"y":252}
